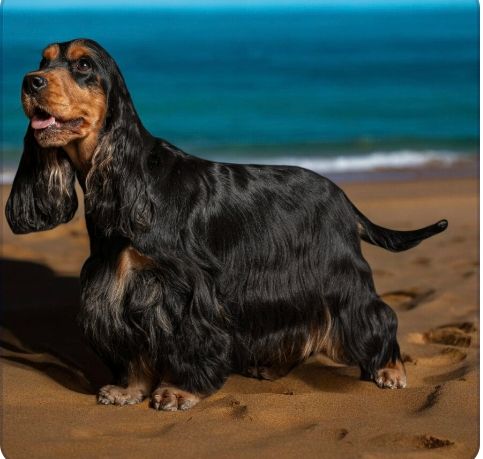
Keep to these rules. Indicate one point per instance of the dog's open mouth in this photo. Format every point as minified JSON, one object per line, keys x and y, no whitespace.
{"x":44,"y":120}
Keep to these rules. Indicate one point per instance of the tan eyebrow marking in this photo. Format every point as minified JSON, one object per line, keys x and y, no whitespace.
{"x":76,"y":51}
{"x":51,"y":52}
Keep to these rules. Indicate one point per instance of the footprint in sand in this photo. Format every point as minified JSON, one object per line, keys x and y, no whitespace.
{"x":448,"y":356}
{"x":431,"y":399}
{"x":231,"y":407}
{"x":430,"y":442}
{"x":458,"y":374}
{"x":408,"y":299}
{"x":327,"y":434}
{"x":410,"y":441}
{"x":422,"y":261}
{"x":240,"y":412}
{"x":466,"y":269}
{"x":455,"y":334}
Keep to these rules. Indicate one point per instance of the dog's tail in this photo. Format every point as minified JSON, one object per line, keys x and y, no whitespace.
{"x":395,"y":241}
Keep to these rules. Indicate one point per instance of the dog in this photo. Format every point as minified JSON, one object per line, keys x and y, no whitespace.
{"x":197,"y":269}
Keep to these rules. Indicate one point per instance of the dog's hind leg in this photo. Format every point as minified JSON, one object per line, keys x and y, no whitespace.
{"x":392,"y":376}
{"x":370,"y":341}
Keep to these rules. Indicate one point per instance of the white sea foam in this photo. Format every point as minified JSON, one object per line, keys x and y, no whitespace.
{"x":373,"y":161}
{"x":6,"y":176}
{"x":380,"y":160}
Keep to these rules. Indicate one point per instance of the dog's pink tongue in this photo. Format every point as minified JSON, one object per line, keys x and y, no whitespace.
{"x":39,"y":123}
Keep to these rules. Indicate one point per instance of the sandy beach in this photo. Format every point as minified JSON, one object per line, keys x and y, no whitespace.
{"x":321,"y":409}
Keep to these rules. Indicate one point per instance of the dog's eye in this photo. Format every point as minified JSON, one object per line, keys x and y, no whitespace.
{"x":83,"y":65}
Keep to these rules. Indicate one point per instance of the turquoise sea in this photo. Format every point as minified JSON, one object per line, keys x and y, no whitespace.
{"x":332,"y":89}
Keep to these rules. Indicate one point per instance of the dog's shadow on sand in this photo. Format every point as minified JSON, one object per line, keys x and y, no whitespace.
{"x":39,"y":329}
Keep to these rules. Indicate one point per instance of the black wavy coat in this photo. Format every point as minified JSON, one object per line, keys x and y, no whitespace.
{"x":243,"y":267}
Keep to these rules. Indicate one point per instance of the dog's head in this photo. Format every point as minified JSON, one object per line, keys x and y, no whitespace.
{"x":66,"y":99}
{"x":81,"y":120}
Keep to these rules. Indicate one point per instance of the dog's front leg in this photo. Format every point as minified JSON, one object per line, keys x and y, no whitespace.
{"x":198,"y":382}
{"x":169,"y":314}
{"x":112,"y":327}
{"x":198,"y":362}
{"x":168,"y":397}
{"x":197,"y":355}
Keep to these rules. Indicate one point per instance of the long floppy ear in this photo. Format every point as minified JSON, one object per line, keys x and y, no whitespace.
{"x":43,"y":194}
{"x":118,"y":189}
{"x":118,"y":192}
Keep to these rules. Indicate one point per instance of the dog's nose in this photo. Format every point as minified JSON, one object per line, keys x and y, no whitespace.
{"x":33,"y":83}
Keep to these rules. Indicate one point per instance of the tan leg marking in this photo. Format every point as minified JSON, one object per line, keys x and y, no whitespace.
{"x":141,"y":378}
{"x":171,"y":398}
{"x":140,"y":383}
{"x":129,"y":260}
{"x":393,"y":376}
{"x":320,"y":340}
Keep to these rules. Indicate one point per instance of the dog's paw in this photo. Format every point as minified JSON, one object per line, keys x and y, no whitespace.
{"x":115,"y":395}
{"x":392,"y":376}
{"x":170,"y":398}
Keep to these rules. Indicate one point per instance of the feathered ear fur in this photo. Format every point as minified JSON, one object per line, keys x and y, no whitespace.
{"x":43,"y":194}
{"x":118,"y":196}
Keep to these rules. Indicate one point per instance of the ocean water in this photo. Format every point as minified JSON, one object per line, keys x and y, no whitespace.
{"x":331,"y":89}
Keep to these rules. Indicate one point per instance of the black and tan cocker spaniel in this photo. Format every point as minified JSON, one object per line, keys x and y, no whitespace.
{"x":197,"y":268}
